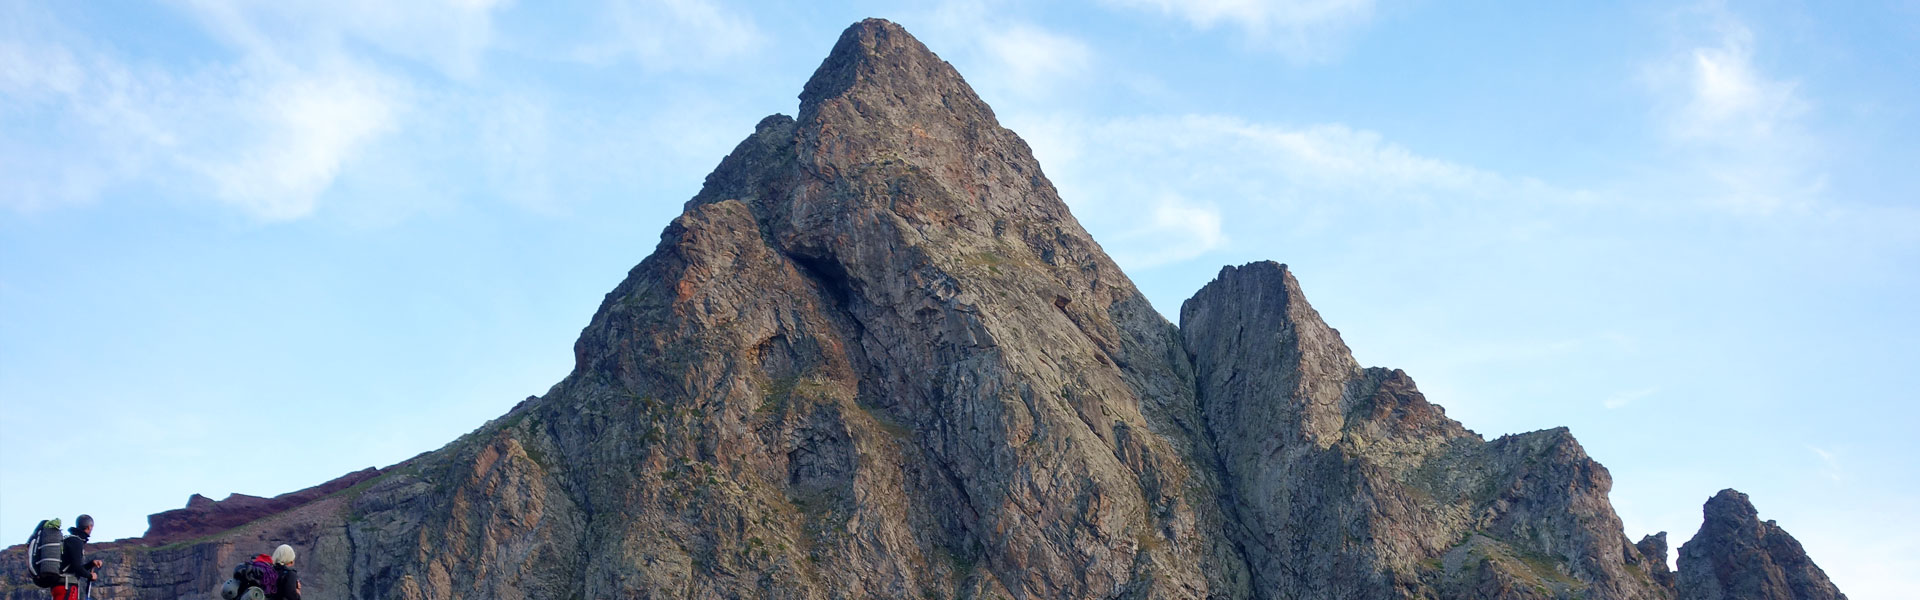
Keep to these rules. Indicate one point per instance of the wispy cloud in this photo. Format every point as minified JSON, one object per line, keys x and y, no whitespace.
{"x":1033,"y":59}
{"x":664,"y":35}
{"x":300,"y":99}
{"x":451,"y":36}
{"x":1336,"y":155}
{"x":1009,"y":59}
{"x":1179,"y":167}
{"x":266,"y":132}
{"x":1180,"y":229}
{"x":1738,"y":124}
{"x":300,"y":129}
{"x":1829,"y":460}
{"x":1303,"y":30}
{"x":1622,"y":399}
{"x":1270,"y":157}
{"x":266,"y":137}
{"x":1729,"y":100}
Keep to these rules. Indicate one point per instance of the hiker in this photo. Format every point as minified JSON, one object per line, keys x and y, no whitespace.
{"x":74,"y":568}
{"x":288,"y":585}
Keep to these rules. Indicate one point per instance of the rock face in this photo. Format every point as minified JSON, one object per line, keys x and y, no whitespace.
{"x":1346,"y":483}
{"x":1736,"y":555}
{"x":876,"y":357}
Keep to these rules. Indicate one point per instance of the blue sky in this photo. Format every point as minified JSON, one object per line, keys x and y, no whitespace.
{"x":250,"y":247}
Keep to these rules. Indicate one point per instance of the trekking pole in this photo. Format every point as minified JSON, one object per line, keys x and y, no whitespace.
{"x":96,"y":577}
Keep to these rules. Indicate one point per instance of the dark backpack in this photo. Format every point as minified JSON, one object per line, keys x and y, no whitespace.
{"x":43,"y":554}
{"x":269,"y":576}
{"x":259,"y":573}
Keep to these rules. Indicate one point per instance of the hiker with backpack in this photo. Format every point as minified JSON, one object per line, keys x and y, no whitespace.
{"x":266,"y":577}
{"x":287,"y":579}
{"x":43,"y":554}
{"x":75,"y":568}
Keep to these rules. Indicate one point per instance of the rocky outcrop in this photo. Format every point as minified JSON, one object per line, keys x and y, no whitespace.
{"x":1653,"y":551}
{"x":205,"y":516}
{"x":877,"y":357}
{"x":1737,"y":556}
{"x":1346,"y":483}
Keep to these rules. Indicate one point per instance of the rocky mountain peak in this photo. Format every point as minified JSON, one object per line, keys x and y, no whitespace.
{"x":885,"y":113}
{"x":1735,"y":555}
{"x":884,"y":309}
{"x":1731,"y":508}
{"x":876,"y":58}
{"x":877,"y":357}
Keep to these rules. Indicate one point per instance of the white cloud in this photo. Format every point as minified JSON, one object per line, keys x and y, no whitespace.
{"x":33,"y":82}
{"x":1260,"y":15}
{"x":1730,"y":101}
{"x":1179,"y":230}
{"x":1299,"y":178}
{"x":1303,"y":30}
{"x":662,"y":35}
{"x":300,"y":128}
{"x":290,"y":121}
{"x":1737,"y":125}
{"x":1328,"y":156}
{"x":450,"y":35}
{"x":1009,"y":61}
{"x":266,"y":137}
{"x":269,"y":130}
{"x":1622,"y":399}
{"x":1829,"y":460}
{"x":1033,"y":60}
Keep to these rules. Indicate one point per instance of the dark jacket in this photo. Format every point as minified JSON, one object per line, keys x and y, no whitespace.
{"x":288,"y":584}
{"x":71,"y":561}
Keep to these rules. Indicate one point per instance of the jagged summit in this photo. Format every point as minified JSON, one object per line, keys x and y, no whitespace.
{"x":881,"y":88}
{"x":877,"y":54}
{"x":877,"y":357}
{"x":1730,"y":507}
{"x":1347,"y":483}
{"x":1735,"y":555}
